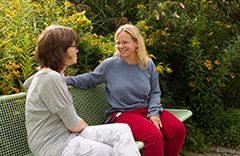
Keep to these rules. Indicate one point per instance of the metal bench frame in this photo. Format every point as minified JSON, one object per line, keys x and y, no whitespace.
{"x":89,"y":104}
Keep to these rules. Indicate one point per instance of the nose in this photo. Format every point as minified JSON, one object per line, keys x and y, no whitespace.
{"x":120,"y":45}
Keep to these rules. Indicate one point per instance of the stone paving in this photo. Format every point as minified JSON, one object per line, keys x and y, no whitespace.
{"x":217,"y":151}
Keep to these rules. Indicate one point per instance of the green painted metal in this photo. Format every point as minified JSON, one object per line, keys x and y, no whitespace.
{"x":89,"y":104}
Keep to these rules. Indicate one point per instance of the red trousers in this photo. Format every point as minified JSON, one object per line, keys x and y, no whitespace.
{"x":167,"y":141}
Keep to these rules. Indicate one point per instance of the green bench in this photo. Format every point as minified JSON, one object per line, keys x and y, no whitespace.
{"x":90,"y":105}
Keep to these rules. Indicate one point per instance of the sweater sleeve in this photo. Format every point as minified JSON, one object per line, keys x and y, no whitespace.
{"x":155,"y":107}
{"x":88,"y":80}
{"x":58,"y":100}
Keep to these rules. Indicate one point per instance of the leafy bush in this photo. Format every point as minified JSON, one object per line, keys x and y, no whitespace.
{"x":198,"y":46}
{"x":107,"y":16}
{"x":21,"y":23}
{"x":195,"y":45}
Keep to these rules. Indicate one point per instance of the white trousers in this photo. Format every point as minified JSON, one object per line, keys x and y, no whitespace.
{"x":103,"y":140}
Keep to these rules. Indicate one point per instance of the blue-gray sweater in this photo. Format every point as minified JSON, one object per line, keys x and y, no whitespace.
{"x":128,"y":87}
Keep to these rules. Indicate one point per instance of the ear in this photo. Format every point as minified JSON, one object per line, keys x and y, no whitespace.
{"x":137,"y":45}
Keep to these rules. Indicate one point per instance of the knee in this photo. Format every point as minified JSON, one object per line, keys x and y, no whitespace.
{"x":181,"y":130}
{"x":123,"y":127}
{"x":154,"y":137}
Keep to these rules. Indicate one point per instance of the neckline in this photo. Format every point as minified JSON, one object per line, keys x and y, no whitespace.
{"x":128,"y":63}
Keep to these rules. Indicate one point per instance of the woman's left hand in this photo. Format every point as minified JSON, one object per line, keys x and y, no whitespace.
{"x":156,"y":121}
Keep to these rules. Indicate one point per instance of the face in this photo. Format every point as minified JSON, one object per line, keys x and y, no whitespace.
{"x":126,"y":46}
{"x":72,"y":52}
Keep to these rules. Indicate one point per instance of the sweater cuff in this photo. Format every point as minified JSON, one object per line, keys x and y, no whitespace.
{"x":68,"y":80}
{"x":155,"y":112}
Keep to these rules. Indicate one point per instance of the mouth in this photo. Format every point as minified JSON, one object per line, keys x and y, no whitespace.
{"x":123,"y":51}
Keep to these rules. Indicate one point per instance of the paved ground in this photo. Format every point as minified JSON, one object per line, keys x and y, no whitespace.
{"x":217,"y":151}
{"x":211,"y":154}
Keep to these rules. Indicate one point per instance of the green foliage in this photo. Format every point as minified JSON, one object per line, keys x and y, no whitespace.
{"x":195,"y":139}
{"x":21,"y":23}
{"x":107,"y":16}
{"x":195,"y":45}
{"x":222,"y":127}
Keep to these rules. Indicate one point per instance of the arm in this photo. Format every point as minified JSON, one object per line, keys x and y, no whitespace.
{"x":59,"y":101}
{"x":81,"y":125}
{"x":155,"y":107}
{"x":88,"y":80}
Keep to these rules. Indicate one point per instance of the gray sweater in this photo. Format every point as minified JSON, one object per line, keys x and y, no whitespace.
{"x":49,"y":113}
{"x":128,"y":87}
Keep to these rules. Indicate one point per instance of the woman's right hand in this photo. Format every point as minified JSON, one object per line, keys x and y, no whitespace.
{"x":82,"y":124}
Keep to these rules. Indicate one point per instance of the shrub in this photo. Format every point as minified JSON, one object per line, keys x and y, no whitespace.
{"x":21,"y":23}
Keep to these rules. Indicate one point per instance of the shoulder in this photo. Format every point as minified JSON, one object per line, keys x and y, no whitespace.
{"x":51,"y":75}
{"x":151,"y":64}
{"x":110,"y":61}
{"x":50,"y":78}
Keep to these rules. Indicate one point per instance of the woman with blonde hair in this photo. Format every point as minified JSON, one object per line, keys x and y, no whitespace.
{"x":133,"y":93}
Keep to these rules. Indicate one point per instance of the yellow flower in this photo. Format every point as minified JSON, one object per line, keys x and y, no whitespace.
{"x":9,"y":12}
{"x":208,"y":78}
{"x":67,"y":4}
{"x":222,"y":85}
{"x":169,"y":70}
{"x":140,"y":6}
{"x":23,"y":28}
{"x":163,"y":33}
{"x":232,"y":75}
{"x":159,"y":68}
{"x":228,"y":26}
{"x":216,"y":47}
{"x":91,"y":28}
{"x":208,"y":64}
{"x":196,"y":43}
{"x":34,"y":39}
{"x":210,"y":33}
{"x":216,"y":62}
{"x":191,"y":84}
{"x":164,"y":43}
{"x":199,"y":61}
{"x":19,"y":50}
{"x":65,"y":22}
{"x":74,"y":27}
{"x":217,"y":22}
{"x":151,"y":56}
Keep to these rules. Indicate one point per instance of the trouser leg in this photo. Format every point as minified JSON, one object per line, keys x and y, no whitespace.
{"x":167,"y":141}
{"x":116,"y":136}
{"x":80,"y":146}
{"x":119,"y":136}
{"x":174,"y":134}
{"x":144,"y":130}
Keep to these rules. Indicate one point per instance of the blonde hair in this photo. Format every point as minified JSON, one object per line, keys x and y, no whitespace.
{"x":136,"y":36}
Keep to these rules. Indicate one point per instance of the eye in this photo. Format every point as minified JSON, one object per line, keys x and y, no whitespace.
{"x":125,"y":42}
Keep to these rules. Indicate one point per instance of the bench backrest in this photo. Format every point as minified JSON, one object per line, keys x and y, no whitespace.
{"x":90,"y":105}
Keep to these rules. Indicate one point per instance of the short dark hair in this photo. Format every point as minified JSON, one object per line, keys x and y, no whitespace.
{"x":52,"y":45}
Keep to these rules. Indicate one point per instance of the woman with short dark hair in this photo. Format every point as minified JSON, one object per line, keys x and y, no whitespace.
{"x":53,"y":127}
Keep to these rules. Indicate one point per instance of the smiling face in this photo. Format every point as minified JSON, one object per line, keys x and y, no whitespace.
{"x":72,"y":52}
{"x":127,"y":47}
